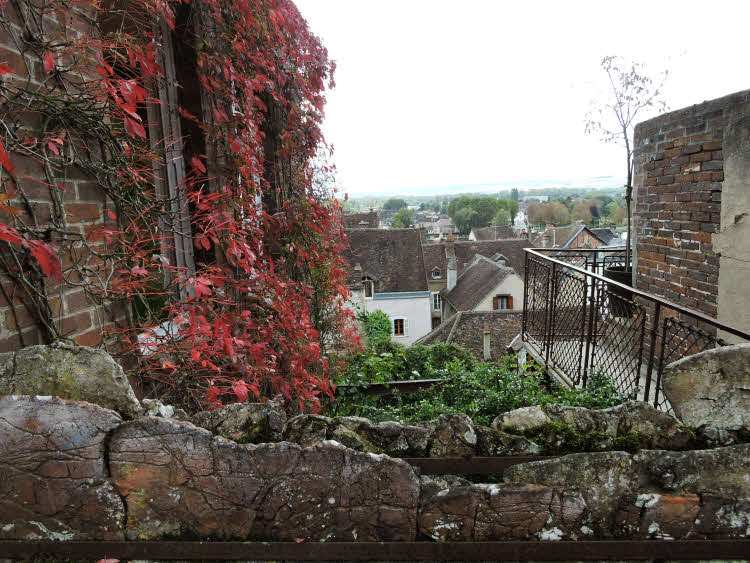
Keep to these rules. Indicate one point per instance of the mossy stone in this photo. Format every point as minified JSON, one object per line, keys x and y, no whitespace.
{"x":71,"y":372}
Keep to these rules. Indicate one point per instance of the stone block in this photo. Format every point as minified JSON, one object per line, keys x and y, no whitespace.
{"x":69,"y":372}
{"x":181,"y":481}
{"x":712,"y":389}
{"x":53,"y":475}
{"x":502,"y":512}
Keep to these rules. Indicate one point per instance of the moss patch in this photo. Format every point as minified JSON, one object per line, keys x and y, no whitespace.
{"x":557,"y":438}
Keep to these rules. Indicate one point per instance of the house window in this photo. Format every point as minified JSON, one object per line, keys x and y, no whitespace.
{"x":436,"y":274}
{"x":436,"y":302}
{"x":502,"y":302}
{"x":400,"y":326}
{"x":369,"y":286}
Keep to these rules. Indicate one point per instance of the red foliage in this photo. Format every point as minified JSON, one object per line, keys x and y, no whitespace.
{"x":244,"y":324}
{"x":244,"y":328}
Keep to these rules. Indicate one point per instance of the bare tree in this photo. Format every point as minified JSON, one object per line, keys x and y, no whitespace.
{"x":632,"y":93}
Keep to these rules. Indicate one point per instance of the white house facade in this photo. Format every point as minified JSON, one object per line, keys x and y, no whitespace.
{"x":386,"y":273}
{"x":487,"y":284}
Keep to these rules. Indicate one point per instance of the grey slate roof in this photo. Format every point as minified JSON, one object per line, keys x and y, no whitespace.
{"x":366,"y":220}
{"x":475,"y":282}
{"x":607,"y":235}
{"x":495,"y":233}
{"x":392,"y":257}
{"x":436,"y":254}
{"x":466,"y":328}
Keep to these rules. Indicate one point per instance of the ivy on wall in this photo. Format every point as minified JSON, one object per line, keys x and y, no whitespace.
{"x":199,"y":123}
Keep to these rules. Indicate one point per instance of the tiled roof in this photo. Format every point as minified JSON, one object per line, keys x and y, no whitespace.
{"x":607,"y":235}
{"x":436,"y":254}
{"x":466,"y":329}
{"x":366,"y":220}
{"x":561,"y":237}
{"x":495,"y":233}
{"x":392,"y":257}
{"x":475,"y":282}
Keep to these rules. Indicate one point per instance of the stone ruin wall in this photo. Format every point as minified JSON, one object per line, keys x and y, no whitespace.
{"x":74,"y":470}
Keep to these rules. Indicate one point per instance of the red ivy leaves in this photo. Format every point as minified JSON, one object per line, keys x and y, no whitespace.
{"x":9,"y":234}
{"x":49,"y":62}
{"x":242,"y":324}
{"x":6,"y":162}
{"x":134,"y":128}
{"x":197,"y":164}
{"x":47,"y":258}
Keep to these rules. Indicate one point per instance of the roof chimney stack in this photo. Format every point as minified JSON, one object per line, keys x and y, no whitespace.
{"x":486,"y":343}
{"x":452,"y":273}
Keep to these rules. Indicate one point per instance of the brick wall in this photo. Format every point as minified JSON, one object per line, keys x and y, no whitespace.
{"x":679,"y":172}
{"x":75,"y":314}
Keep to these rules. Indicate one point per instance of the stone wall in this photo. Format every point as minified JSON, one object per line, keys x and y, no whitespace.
{"x":690,"y":206}
{"x":76,"y":471}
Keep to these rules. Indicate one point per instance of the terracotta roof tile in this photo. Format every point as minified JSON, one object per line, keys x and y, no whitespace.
{"x":366,"y":220}
{"x":607,"y":235}
{"x":392,"y":257}
{"x":436,"y":254}
{"x":475,"y":282}
{"x":495,"y":233}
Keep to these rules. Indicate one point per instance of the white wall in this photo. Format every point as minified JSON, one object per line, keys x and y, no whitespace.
{"x":511,"y":285}
{"x":356,"y":301}
{"x":417,"y":310}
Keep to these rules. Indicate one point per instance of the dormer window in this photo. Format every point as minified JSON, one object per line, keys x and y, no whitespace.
{"x":369,"y":286}
{"x":436,"y":273}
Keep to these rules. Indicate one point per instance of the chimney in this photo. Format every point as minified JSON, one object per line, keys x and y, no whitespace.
{"x":545,"y":240}
{"x":452,"y":273}
{"x":450,"y":248}
{"x":486,"y":343}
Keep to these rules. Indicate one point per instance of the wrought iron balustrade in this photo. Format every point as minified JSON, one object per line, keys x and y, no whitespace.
{"x":576,"y":323}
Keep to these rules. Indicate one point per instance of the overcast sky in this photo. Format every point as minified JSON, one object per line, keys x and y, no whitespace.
{"x":435,"y":93}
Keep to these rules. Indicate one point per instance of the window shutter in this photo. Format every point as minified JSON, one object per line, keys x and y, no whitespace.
{"x":165,"y":133}
{"x":406,"y":327}
{"x":510,"y":302}
{"x":495,"y":303}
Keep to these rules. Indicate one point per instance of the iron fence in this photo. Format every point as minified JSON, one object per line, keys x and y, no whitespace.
{"x":577,"y":322}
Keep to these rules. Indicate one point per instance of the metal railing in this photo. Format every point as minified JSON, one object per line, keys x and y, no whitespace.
{"x":577,"y":322}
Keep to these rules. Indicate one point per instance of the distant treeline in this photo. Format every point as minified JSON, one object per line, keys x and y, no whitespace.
{"x":593,"y":206}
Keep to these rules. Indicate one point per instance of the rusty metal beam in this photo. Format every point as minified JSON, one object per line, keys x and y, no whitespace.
{"x":391,"y":551}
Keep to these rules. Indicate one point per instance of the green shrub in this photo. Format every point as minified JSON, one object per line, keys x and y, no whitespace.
{"x":377,"y":326}
{"x":441,"y":354}
{"x":600,"y":393}
{"x":481,"y":391}
{"x":419,"y":360}
{"x":379,"y":347}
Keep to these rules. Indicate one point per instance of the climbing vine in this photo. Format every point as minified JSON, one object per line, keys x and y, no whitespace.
{"x":221,"y":245}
